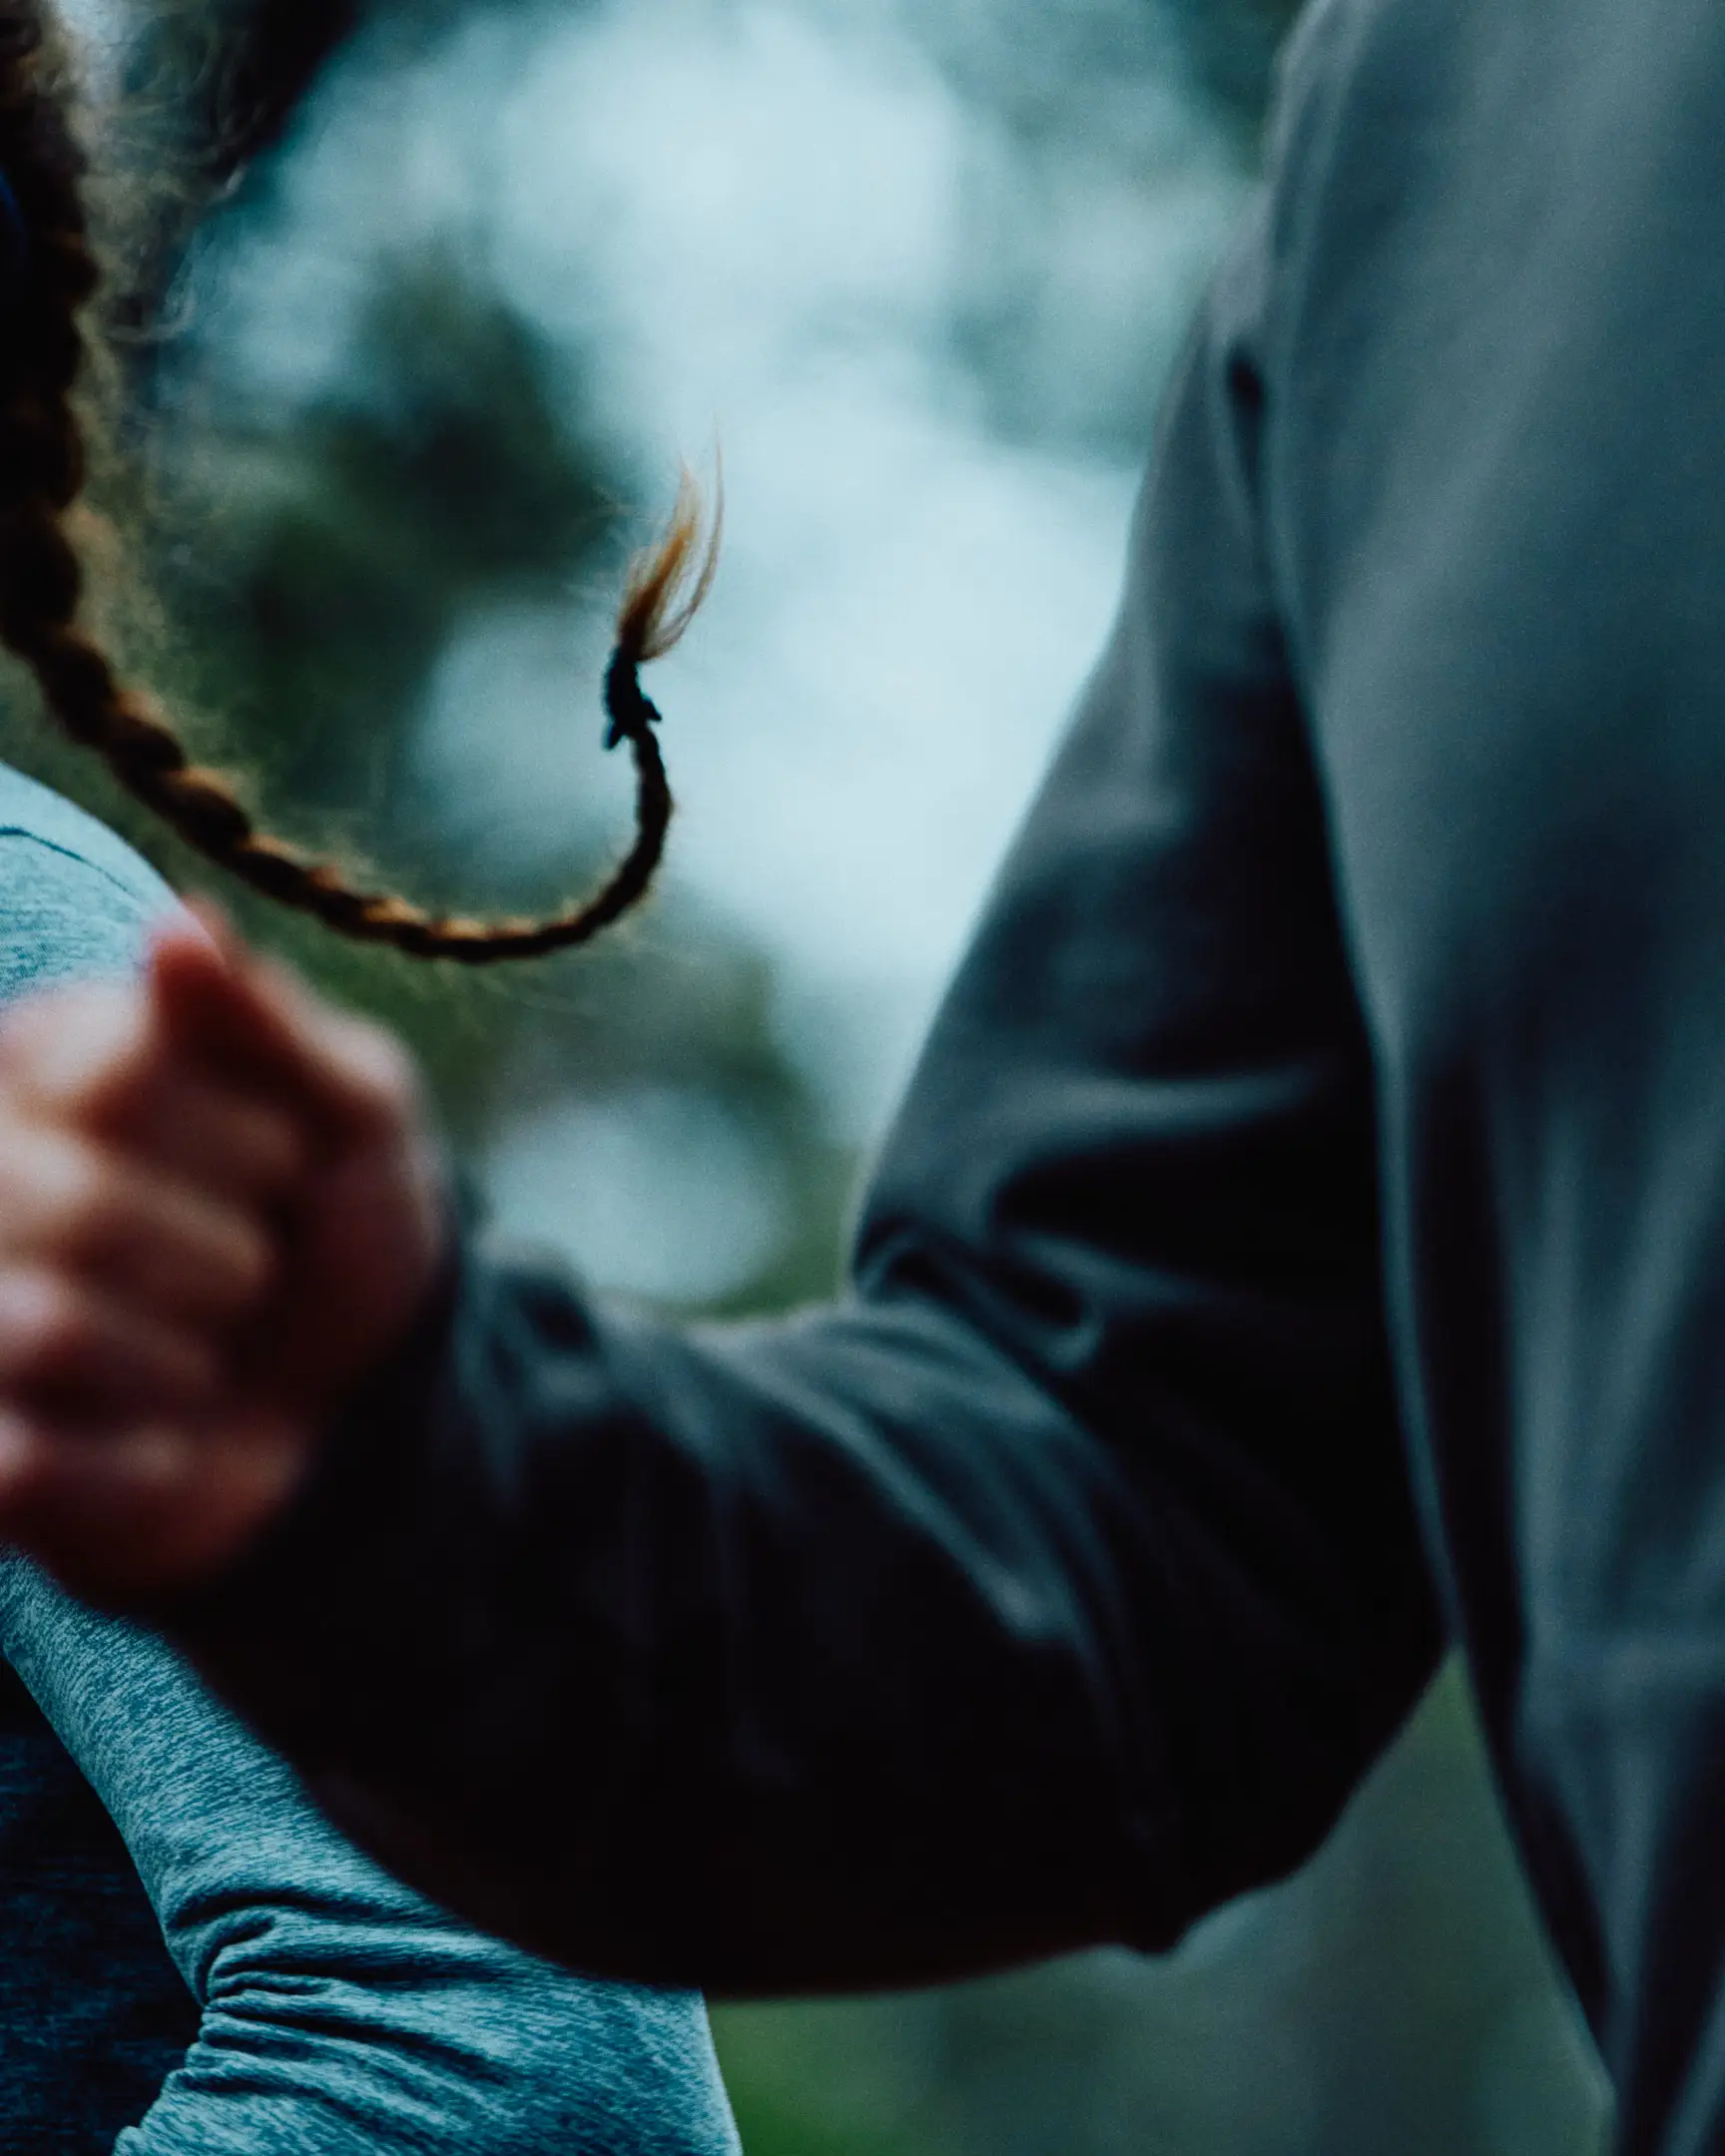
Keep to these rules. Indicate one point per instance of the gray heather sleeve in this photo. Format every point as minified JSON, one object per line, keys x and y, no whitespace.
{"x":64,"y":915}
{"x":340,"y":2012}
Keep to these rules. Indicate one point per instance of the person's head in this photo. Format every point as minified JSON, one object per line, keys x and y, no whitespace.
{"x":49,"y":273}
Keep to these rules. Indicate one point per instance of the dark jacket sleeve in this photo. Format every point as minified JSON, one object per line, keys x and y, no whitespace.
{"x":1054,"y":1585}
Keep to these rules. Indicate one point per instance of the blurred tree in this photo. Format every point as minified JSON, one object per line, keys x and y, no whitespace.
{"x":303,"y":570}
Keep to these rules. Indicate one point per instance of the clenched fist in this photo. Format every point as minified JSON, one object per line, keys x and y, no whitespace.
{"x":220,"y":1211}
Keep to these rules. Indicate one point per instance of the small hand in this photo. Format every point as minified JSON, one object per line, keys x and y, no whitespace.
{"x":219,"y":1211}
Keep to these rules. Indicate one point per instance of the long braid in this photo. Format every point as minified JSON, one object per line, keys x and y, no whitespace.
{"x":42,"y":471}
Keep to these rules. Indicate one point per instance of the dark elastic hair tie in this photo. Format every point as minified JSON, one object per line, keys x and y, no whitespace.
{"x":628,"y":706}
{"x":14,"y":242}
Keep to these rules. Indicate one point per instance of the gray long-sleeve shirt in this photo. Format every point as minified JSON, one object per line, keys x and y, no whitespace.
{"x":1307,"y":1229}
{"x":313,"y":2005}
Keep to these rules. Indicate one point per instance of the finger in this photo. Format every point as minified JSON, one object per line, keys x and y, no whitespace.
{"x":174,"y":1252}
{"x":70,"y":1345}
{"x":367,"y":1084}
{"x":253,"y":1023}
{"x":221,"y":1006}
{"x":202,"y":998}
{"x":227,"y":1143}
{"x":164,"y":1245}
{"x":101,"y":1058}
{"x":90,"y":1503}
{"x":74,"y":1052}
{"x":123,"y":1512}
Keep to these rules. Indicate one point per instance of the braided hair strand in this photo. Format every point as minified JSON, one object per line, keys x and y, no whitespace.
{"x":43,"y":461}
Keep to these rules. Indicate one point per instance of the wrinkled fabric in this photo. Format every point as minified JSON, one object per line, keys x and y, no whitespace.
{"x":307,"y":2003}
{"x":1336,"y":1086}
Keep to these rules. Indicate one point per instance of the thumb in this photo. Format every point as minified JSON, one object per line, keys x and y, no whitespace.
{"x":254,"y":1024}
{"x":207,"y":1005}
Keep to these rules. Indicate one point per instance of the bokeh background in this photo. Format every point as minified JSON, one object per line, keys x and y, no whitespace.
{"x":417,"y":305}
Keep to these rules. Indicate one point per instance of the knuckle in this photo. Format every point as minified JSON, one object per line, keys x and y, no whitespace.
{"x":275,"y":1146}
{"x":91,"y":1044}
{"x":245,"y":1260}
{"x":44,"y":1322}
{"x":383,"y":1073}
{"x":187,"y":1367}
{"x":71,"y":1202}
{"x":72,"y":1063}
{"x":77,"y":1198}
{"x":18,"y":1140}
